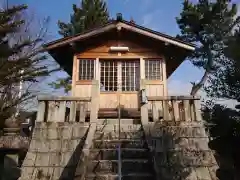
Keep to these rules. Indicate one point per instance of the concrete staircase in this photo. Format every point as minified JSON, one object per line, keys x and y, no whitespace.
{"x":103,"y":161}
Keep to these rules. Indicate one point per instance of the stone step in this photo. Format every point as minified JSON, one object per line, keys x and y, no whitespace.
{"x":123,"y":135}
{"x":112,"y":154}
{"x":128,"y":166}
{"x":115,"y":127}
{"x":114,"y":143}
{"x":116,"y":121}
{"x":112,"y":176}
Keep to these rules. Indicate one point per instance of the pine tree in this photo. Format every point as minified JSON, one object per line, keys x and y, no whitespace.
{"x":91,"y":14}
{"x":209,"y":25}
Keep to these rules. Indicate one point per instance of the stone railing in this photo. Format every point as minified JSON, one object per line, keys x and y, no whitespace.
{"x":172,"y":108}
{"x":62,"y":109}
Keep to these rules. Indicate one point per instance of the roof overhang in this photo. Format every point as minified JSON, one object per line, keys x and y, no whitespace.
{"x":62,"y":50}
{"x":119,"y":25}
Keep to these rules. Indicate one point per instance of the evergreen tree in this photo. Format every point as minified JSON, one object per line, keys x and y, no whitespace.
{"x":209,"y":25}
{"x":91,"y":14}
{"x":20,"y":61}
{"x":227,"y":83}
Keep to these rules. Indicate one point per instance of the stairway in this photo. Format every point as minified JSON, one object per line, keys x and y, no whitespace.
{"x":136,"y":161}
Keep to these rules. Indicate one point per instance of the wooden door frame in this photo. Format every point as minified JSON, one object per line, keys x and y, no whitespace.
{"x":119,"y":92}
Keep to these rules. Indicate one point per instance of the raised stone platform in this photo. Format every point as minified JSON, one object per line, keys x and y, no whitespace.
{"x":55,"y":151}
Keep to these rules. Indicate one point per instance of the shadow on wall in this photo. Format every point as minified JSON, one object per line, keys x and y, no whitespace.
{"x":171,"y":154}
{"x":74,"y":162}
{"x":11,"y":169}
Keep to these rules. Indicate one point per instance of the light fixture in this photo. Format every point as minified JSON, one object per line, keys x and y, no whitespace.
{"x":119,"y":49}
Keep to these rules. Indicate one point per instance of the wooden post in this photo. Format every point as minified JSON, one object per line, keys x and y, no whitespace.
{"x":186,"y":110}
{"x":176,"y":110}
{"x":95,"y":101}
{"x":72,"y":111}
{"x":74,"y":74}
{"x":82,"y":111}
{"x":164,"y":77}
{"x":41,"y":111}
{"x":197,"y":110}
{"x":61,"y":112}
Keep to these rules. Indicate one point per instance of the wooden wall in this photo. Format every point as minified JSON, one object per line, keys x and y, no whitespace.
{"x":110,"y":99}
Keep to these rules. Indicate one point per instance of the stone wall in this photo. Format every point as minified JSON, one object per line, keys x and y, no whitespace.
{"x":181,"y":151}
{"x":55,"y":151}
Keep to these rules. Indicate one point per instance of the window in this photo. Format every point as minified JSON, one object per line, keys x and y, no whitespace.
{"x":109,"y":70}
{"x":130,"y":76}
{"x":86,"y":69}
{"x":120,"y":75}
{"x":153,"y":69}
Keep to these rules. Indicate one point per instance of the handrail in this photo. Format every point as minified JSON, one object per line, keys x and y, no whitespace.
{"x":168,"y":98}
{"x":63,"y":108}
{"x":172,"y":108}
{"x":63,"y":98}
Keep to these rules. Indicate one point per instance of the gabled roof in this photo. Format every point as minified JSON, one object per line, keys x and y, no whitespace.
{"x":63,"y":50}
{"x":120,"y":24}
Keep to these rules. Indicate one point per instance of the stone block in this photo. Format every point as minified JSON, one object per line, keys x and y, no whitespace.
{"x":76,"y":142}
{"x":55,"y":159}
{"x":69,"y":159}
{"x":42,"y":159}
{"x":66,"y":132}
{"x":53,"y":134}
{"x":27,"y":173}
{"x":29,"y":159}
{"x":78,"y":132}
{"x":67,"y":145}
{"x":203,"y":173}
{"x":54,"y":145}
{"x":57,"y":172}
{"x":41,"y":173}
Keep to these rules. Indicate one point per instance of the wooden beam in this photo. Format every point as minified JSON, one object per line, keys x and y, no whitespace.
{"x":63,"y":98}
{"x":163,"y":98}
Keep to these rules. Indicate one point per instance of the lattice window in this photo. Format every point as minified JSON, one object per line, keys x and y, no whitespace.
{"x":130,"y":75}
{"x":153,"y":69}
{"x":86,"y":69}
{"x":109,"y":78}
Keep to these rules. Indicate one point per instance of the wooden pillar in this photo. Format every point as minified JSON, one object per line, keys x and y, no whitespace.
{"x":164,"y":77}
{"x":74,"y":74}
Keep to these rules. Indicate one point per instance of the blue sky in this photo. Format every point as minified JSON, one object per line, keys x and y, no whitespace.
{"x":155,"y":14}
